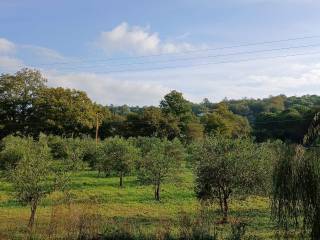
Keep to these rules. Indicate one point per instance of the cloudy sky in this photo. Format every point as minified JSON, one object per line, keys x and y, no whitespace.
{"x":134,"y":52}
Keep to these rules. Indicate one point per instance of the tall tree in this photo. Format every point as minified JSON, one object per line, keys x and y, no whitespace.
{"x":175,"y":104}
{"x":64,"y":112}
{"x":224,"y":121}
{"x":17,"y":95}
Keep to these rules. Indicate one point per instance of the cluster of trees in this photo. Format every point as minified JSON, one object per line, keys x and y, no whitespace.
{"x":224,"y":166}
{"x":28,"y":107}
{"x":37,"y":167}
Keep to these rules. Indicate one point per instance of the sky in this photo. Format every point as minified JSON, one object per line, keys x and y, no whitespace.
{"x":134,"y":52}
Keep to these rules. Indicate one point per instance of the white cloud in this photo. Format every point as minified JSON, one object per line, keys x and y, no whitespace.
{"x":108,"y":90}
{"x":6,"y":46}
{"x":10,"y":63}
{"x":43,"y":52}
{"x":7,"y":61}
{"x":12,"y":55}
{"x":308,"y":79}
{"x":137,"y":40}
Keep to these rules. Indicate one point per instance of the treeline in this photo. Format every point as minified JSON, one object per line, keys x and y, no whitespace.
{"x":29,"y":107}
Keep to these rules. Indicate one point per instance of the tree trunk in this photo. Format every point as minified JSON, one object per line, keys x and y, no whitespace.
{"x":97,"y":130}
{"x":34,"y":205}
{"x":220,"y":201}
{"x":225,"y":209}
{"x":157,"y":192}
{"x":121,"y":179}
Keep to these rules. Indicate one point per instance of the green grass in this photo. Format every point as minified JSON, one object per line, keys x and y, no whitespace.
{"x":133,"y":204}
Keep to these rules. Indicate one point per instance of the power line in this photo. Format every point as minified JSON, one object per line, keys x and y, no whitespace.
{"x":204,"y":57}
{"x":184,"y":52}
{"x":206,"y":64}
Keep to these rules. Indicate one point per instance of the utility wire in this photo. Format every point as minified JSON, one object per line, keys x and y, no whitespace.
{"x":200,"y":57}
{"x":205,"y":64}
{"x":183,"y":52}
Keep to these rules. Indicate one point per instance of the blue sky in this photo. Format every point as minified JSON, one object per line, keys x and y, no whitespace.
{"x":85,"y":35}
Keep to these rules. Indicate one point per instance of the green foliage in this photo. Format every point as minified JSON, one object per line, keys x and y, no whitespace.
{"x":290,"y":125}
{"x":12,"y":152}
{"x":118,"y":155}
{"x":161,"y":160}
{"x":64,"y":112}
{"x":17,"y":94}
{"x":225,"y":122}
{"x":296,"y":190}
{"x":33,"y":176}
{"x":312,"y":134}
{"x":174,"y":103}
{"x":57,"y":147}
{"x":75,"y":152}
{"x":226,"y":167}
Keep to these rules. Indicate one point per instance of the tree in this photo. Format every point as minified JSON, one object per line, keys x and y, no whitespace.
{"x":277,"y":103}
{"x":174,"y":103}
{"x":296,"y":185}
{"x":224,"y":121}
{"x":11,"y":154}
{"x":17,"y":95}
{"x":226,"y":167}
{"x":296,"y":194}
{"x":288,"y":125}
{"x":33,"y":177}
{"x":162,"y":159}
{"x":313,"y":132}
{"x":194,"y":131}
{"x":118,"y":155}
{"x":64,"y":112}
{"x":75,"y":152}
{"x":101,"y":114}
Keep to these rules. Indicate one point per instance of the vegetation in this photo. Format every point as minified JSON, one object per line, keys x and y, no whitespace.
{"x":117,"y":155}
{"x":162,"y":161}
{"x":32,"y":176}
{"x":204,"y":161}
{"x":227,"y":167}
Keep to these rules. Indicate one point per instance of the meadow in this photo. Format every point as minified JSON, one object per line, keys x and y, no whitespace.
{"x":96,"y":204}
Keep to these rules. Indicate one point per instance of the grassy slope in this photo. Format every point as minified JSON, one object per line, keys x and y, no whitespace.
{"x":133,"y":203}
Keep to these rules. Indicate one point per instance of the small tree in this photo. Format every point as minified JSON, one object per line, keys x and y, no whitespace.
{"x":162,"y":161}
{"x":11,"y":154}
{"x":117,"y":154}
{"x":226,"y":167}
{"x":75,"y":152}
{"x":33,"y":177}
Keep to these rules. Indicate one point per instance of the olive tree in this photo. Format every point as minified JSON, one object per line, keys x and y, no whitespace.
{"x":11,"y":154}
{"x":161,"y":159}
{"x":33,"y":176}
{"x":226,"y":167}
{"x":75,"y":152}
{"x":118,"y":155}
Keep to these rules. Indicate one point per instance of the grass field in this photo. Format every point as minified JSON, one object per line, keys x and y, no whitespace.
{"x":133,"y":205}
